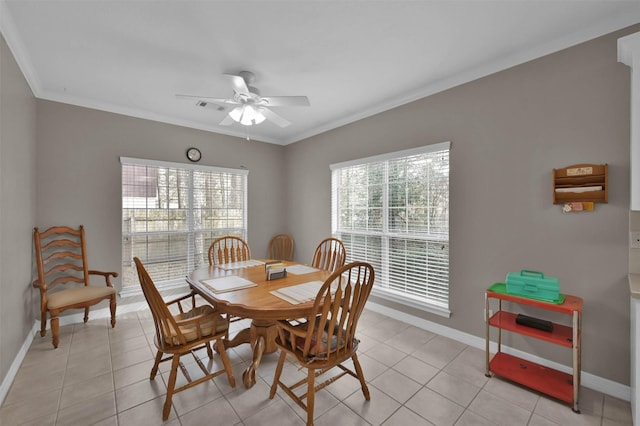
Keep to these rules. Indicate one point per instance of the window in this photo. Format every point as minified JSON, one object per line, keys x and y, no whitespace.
{"x":171,"y":212}
{"x":393,"y":212}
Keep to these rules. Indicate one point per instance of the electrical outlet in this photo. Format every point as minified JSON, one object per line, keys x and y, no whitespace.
{"x":634,"y":240}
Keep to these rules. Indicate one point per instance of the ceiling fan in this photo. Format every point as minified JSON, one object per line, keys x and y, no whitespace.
{"x":249,"y":108}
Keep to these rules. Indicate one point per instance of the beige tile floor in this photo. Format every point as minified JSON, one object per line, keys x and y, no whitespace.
{"x":100,"y":376}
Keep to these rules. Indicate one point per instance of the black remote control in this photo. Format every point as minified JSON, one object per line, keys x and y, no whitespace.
{"x":534,"y":322}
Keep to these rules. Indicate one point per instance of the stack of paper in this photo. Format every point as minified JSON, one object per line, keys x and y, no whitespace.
{"x":229,"y":283}
{"x":275,"y":270}
{"x":579,"y":189}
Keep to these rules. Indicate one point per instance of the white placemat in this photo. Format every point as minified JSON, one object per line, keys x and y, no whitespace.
{"x":229,"y":283}
{"x":300,"y":269}
{"x":300,"y":293}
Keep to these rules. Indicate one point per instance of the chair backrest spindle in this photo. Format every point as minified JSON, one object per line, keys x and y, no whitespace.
{"x":281,"y":247}
{"x":228,"y":249}
{"x":329,"y":255}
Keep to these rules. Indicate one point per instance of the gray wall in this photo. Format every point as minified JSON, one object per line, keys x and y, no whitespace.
{"x":79,"y":173}
{"x":18,"y":306}
{"x":508,"y":132}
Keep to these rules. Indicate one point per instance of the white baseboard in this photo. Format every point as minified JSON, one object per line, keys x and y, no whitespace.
{"x":17,"y":361}
{"x":588,"y":380}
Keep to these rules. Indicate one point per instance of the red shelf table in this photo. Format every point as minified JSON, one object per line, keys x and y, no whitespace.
{"x":547,"y":380}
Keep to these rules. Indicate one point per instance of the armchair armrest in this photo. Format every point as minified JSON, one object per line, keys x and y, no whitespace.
{"x":104,"y":274}
{"x":39,"y":284}
{"x":179,"y":300}
{"x":107,"y":276}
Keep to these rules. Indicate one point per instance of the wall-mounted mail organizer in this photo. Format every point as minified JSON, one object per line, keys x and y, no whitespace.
{"x":579,"y":186}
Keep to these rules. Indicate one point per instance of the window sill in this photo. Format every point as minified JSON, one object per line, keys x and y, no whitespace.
{"x":413,"y":303}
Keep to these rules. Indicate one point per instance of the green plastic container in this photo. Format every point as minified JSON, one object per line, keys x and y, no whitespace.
{"x":502,"y":288}
{"x":533,"y":284}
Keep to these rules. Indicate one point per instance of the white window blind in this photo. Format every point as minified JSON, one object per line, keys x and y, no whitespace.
{"x":393,"y":212}
{"x":171,"y":212}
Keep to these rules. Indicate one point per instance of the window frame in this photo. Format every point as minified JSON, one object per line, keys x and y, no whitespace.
{"x":384,"y":290}
{"x":191,"y":232}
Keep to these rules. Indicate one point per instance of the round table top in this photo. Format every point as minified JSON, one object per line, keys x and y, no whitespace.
{"x":255,"y":302}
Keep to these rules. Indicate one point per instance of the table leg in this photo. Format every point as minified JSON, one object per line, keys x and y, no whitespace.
{"x":263,"y":335}
{"x":249,"y":375}
{"x":243,"y":336}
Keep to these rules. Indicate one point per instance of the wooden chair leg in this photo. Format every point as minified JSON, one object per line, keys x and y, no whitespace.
{"x":276,"y":377}
{"x":86,"y":314}
{"x":363,"y":384}
{"x":154,"y":369}
{"x":171,"y":386}
{"x":112,"y":308}
{"x":209,"y":351}
{"x":311,"y":395}
{"x":43,"y":323}
{"x":225,"y":361}
{"x":55,"y":330}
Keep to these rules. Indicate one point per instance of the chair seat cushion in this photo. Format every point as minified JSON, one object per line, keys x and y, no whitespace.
{"x":190,"y":332}
{"x":319,"y":348}
{"x":72,"y":296}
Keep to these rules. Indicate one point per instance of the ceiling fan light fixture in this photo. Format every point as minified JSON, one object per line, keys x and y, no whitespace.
{"x":247,"y":106}
{"x":252,"y":115}
{"x":236,"y":113}
{"x":247,"y":115}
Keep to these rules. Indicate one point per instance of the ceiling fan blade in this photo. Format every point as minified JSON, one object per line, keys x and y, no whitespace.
{"x":239,"y":85}
{"x":217,"y":101}
{"x":277,"y":101}
{"x":227,"y":121}
{"x":275,"y":118}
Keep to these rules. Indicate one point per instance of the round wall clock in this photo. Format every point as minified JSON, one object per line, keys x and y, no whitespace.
{"x":193,"y":154}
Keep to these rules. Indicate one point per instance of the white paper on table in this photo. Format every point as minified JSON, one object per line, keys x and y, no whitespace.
{"x":300,"y":269}
{"x":228,"y":283}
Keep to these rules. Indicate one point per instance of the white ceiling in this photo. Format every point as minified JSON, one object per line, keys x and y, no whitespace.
{"x":351,"y":58}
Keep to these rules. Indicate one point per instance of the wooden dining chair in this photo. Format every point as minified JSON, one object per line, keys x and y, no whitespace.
{"x":61,"y":261}
{"x":281,"y":247}
{"x":182,"y":334}
{"x":329,"y":255}
{"x":228,"y":249}
{"x":325,"y":339}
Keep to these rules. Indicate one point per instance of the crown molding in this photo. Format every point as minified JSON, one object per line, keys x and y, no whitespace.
{"x":13,"y":40}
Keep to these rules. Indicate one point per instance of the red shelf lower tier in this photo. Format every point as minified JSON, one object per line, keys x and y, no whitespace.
{"x":535,"y":376}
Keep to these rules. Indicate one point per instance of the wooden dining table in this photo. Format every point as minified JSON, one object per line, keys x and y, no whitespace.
{"x":256,"y":302}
